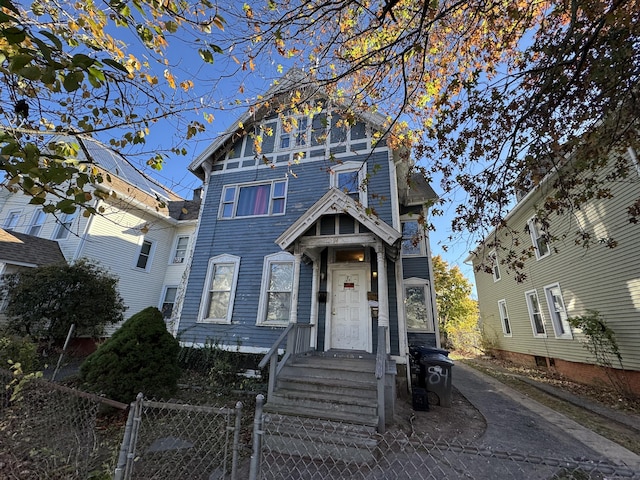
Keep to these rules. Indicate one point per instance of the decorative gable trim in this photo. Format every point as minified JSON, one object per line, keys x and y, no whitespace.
{"x":331,"y":203}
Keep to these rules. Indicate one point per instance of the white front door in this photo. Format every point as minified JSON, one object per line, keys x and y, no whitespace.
{"x":349,"y":310}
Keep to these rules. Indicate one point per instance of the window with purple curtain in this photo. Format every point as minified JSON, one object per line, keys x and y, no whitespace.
{"x":253,"y":200}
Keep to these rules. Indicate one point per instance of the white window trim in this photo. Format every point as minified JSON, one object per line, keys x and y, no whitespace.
{"x":60,"y":226}
{"x":495,"y":266}
{"x":361,"y":168}
{"x":280,"y":131}
{"x":18,"y":214}
{"x":204,"y":301}
{"x":37,"y":215}
{"x":419,"y":282}
{"x":533,"y":232}
{"x":422,"y":244}
{"x":530,"y":309}
{"x":280,"y":257}
{"x":174,"y":250}
{"x":163,"y":298}
{"x":150,"y":257}
{"x":238,"y":186}
{"x":503,"y":318}
{"x":557,"y":322}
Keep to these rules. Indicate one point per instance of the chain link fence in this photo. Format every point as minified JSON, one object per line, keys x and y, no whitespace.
{"x":49,"y":431}
{"x":168,"y":441}
{"x":294,"y":448}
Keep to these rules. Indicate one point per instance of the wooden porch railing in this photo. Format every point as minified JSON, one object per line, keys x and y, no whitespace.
{"x":298,"y":336}
{"x":381,"y":370}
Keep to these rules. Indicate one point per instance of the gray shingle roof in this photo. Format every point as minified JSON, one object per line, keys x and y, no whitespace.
{"x":22,"y":249}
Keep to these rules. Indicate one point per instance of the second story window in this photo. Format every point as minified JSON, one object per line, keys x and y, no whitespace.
{"x":412,"y":239}
{"x":63,"y":226}
{"x":349,"y":177}
{"x":11,"y":222}
{"x":252,"y":200}
{"x":144,"y":257}
{"x":539,"y":238}
{"x":180,"y":252}
{"x":36,"y":223}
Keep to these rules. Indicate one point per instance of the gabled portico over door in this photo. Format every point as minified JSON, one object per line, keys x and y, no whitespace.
{"x":336,"y":222}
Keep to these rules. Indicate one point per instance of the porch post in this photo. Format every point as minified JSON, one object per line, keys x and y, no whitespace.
{"x":383,"y":287}
{"x":297,"y":257}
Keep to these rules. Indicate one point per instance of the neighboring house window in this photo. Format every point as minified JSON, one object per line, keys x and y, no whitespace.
{"x":495,"y":266}
{"x":413,"y":244}
{"x":277,"y":289}
{"x":11,"y":221}
{"x":293,"y":132}
{"x":63,"y":227}
{"x":252,"y":200}
{"x":168,"y":301}
{"x":416,"y":305}
{"x":144,"y":257}
{"x":504,"y":318}
{"x":538,"y":238}
{"x":36,"y":223}
{"x":180,"y":252}
{"x":557,"y":311}
{"x":348,"y":177}
{"x":220,"y":288}
{"x":535,"y":314}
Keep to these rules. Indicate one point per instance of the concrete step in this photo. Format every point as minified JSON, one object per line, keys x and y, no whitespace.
{"x":312,"y":385}
{"x":329,"y":403}
{"x":319,"y":439}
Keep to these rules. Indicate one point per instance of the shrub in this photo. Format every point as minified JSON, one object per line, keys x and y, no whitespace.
{"x":20,"y":350}
{"x":141,"y":356}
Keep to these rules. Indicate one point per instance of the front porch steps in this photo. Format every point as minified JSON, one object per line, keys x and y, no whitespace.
{"x":338,"y":386}
{"x":324,"y":406}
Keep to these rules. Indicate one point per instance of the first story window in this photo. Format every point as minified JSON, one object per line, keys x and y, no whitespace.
{"x":557,"y":311}
{"x":36,"y":223}
{"x":220,"y":288}
{"x":504,"y":318}
{"x":413,"y":244}
{"x":251,"y":200}
{"x":168,"y":302}
{"x":417,"y":306}
{"x":63,"y":226}
{"x":277,"y":289}
{"x":144,"y":257}
{"x":538,"y":238}
{"x":535,"y":314}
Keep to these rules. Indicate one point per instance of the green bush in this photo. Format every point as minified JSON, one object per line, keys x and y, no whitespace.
{"x":141,"y":356}
{"x":20,"y":350}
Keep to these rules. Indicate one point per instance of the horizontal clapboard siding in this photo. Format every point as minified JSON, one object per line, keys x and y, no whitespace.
{"x":598,"y":278}
{"x":253,"y":238}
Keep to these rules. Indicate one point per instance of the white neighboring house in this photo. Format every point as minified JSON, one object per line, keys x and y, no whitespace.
{"x":142,"y":235}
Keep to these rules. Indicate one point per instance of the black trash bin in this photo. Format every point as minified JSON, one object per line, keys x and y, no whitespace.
{"x":436,"y":378}
{"x":418,"y":370}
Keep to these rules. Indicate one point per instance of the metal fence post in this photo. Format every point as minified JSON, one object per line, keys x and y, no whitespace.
{"x":124,"y":448}
{"x":131,"y":452}
{"x":256,"y":453}
{"x":236,"y":441}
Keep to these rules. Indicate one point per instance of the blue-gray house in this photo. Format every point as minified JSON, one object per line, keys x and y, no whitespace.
{"x":310,"y":239}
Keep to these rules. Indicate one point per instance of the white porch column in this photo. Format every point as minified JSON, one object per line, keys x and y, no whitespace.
{"x":297,"y":257}
{"x":383,"y":287}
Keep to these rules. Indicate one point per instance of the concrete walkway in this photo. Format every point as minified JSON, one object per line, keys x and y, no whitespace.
{"x":515,"y":422}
